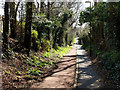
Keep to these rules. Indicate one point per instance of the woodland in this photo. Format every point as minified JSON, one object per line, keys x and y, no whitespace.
{"x":103,"y":39}
{"x":36,"y":35}
{"x":34,"y":43}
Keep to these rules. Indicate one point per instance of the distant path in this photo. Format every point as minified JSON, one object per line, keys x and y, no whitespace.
{"x":86,"y":76}
{"x":63,"y":76}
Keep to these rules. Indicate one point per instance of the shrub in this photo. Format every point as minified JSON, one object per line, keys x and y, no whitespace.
{"x":18,"y":72}
{"x":45,"y":44}
{"x":111,"y":61}
{"x":35,"y":41}
{"x":33,"y":71}
{"x":47,"y":54}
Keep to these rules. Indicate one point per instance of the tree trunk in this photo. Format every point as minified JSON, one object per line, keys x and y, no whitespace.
{"x":61,"y":37}
{"x":13,"y":14}
{"x":6,"y":30}
{"x":48,"y":17}
{"x":12,"y":20}
{"x":48,"y":14}
{"x":66,"y":39}
{"x":27,"y":40}
{"x":42,"y":7}
{"x":111,"y":20}
{"x":118,"y":31}
{"x":16,"y":9}
{"x":95,"y":3}
{"x":102,"y":29}
{"x":21,"y":33}
{"x":55,"y":40}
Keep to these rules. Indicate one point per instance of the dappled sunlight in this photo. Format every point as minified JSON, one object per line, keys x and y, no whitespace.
{"x":63,"y":75}
{"x":86,"y":76}
{"x":47,"y":44}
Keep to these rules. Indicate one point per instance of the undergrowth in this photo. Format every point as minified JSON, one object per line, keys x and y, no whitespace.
{"x":57,"y":53}
{"x":24,"y":68}
{"x":111,"y":61}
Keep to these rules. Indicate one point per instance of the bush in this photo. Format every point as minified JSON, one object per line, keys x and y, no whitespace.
{"x":35,"y":72}
{"x":47,"y":54}
{"x":45,"y":44}
{"x":62,"y":50}
{"x":111,"y":61}
{"x":35,"y":42}
{"x":111,"y":57}
{"x":59,"y":52}
{"x":94,"y":50}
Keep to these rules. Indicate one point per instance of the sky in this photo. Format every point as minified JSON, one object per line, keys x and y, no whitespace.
{"x":84,"y":5}
{"x":1,"y":11}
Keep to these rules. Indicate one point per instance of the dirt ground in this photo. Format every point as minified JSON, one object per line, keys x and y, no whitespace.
{"x":63,"y":76}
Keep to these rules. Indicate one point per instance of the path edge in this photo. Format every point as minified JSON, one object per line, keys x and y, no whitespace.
{"x":76,"y":71}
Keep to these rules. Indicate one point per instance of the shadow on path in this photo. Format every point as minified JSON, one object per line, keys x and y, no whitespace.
{"x":63,"y":74}
{"x":72,"y":58}
{"x":86,"y":76}
{"x":66,"y":60}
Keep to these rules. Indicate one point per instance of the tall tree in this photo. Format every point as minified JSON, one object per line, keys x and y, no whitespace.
{"x":21,"y":38}
{"x":48,"y":11}
{"x":27,"y":39}
{"x":12,"y":19}
{"x":42,"y":7}
{"x":13,"y":14}
{"x":95,"y":3}
{"x":111,"y":23}
{"x":48,"y":17}
{"x":118,"y":33}
{"x":6,"y":29}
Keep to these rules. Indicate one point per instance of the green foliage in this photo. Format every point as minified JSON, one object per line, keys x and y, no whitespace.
{"x":7,"y":72}
{"x":33,"y":71}
{"x":28,"y":76}
{"x":38,"y":62}
{"x":103,"y":17}
{"x":66,"y":16}
{"x":43,"y":26}
{"x":50,"y":32}
{"x":43,"y":29}
{"x":47,"y":54}
{"x":72,"y":42}
{"x":35,"y":42}
{"x":45,"y":44}
{"x":84,"y":17}
{"x":20,"y":32}
{"x":59,"y":52}
{"x":112,"y":56}
{"x":79,"y":40}
{"x":111,"y":61}
{"x":18,"y":72}
{"x":63,"y":50}
{"x":98,"y":53}
{"x":34,"y":34}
